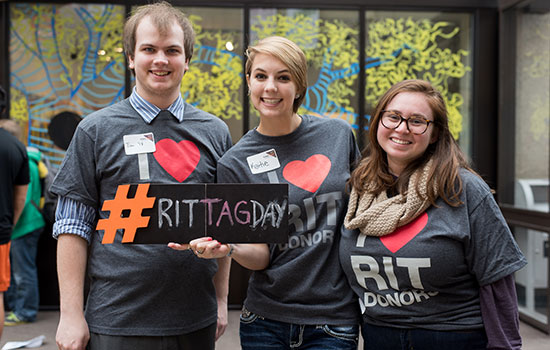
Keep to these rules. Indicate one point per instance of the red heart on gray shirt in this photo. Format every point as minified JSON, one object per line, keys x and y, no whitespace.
{"x":404,"y":234}
{"x":308,"y":175}
{"x":178,"y":159}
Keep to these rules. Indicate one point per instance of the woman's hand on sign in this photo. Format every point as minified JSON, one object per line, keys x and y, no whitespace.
{"x":250,"y":256}
{"x":204,"y":247}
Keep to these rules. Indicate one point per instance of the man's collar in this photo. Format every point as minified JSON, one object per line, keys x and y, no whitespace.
{"x":149,"y":111}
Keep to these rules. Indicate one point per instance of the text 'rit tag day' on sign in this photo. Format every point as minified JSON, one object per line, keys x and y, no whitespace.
{"x":162,"y":213}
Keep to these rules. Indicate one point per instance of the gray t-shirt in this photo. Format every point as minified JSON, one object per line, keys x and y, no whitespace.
{"x":428,"y":273}
{"x":143,"y":289}
{"x":304,"y":282}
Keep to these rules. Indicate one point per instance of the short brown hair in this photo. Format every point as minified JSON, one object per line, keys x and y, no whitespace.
{"x":287,"y":52}
{"x":162,"y":15}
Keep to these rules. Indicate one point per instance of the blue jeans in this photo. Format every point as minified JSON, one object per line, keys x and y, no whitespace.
{"x":22,"y":296}
{"x":388,"y":338}
{"x":258,"y":333}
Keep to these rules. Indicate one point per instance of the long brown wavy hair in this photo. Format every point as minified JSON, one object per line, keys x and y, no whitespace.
{"x":373,"y":175}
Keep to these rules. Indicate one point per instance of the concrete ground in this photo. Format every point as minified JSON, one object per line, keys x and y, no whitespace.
{"x":46,"y":324}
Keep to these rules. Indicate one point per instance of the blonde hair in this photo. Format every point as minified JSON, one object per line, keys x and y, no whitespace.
{"x":287,"y":52}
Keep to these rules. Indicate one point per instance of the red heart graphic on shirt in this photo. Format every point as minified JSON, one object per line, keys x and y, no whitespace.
{"x":403,"y":235}
{"x":308,"y":175}
{"x":178,"y":159}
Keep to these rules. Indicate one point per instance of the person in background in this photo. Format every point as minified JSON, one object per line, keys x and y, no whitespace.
{"x":141,"y":296}
{"x":14,"y":180}
{"x":427,"y":250}
{"x":298,"y":297}
{"x":22,"y":297}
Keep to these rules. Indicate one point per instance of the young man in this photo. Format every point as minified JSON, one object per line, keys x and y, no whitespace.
{"x":141,"y":296}
{"x":14,"y":180}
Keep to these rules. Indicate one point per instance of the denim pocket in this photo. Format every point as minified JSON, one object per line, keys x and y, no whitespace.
{"x":342,"y":332}
{"x":247,"y":317}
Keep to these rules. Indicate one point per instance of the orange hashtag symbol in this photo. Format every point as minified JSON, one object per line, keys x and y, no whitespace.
{"x":133,"y":221}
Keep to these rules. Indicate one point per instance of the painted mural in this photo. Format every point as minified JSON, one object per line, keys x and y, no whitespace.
{"x":331,"y":48}
{"x":67,"y":61}
{"x":214,"y":80}
{"x":404,"y":48}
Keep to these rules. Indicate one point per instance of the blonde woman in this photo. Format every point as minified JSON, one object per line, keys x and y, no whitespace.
{"x":298,"y":296}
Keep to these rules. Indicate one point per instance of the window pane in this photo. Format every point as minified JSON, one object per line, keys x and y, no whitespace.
{"x":532,"y":112}
{"x":329,"y":40}
{"x":66,"y":61}
{"x":532,"y":280}
{"x":214,"y":80}
{"x":433,"y":46}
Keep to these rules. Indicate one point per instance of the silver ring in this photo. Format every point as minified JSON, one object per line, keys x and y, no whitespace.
{"x":199,"y":252}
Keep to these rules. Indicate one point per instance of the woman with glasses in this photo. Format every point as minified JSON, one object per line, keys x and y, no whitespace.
{"x":427,"y":250}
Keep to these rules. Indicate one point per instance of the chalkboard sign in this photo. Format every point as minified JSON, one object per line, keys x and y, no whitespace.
{"x":230,"y":213}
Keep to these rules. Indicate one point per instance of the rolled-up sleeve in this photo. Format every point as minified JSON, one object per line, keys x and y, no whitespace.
{"x":73,"y":217}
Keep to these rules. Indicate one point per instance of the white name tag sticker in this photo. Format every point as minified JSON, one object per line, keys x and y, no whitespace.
{"x":139,"y":143}
{"x":263,"y":162}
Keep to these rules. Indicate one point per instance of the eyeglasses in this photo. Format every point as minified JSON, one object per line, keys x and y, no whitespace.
{"x":416,"y":125}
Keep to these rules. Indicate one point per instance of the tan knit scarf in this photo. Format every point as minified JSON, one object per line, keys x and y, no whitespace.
{"x":380,"y":215}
